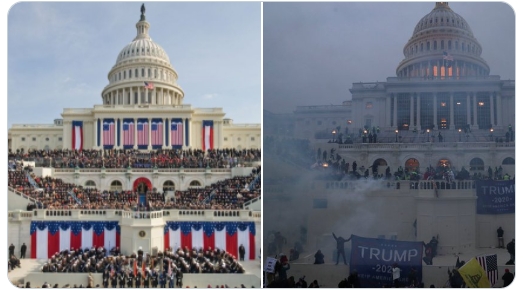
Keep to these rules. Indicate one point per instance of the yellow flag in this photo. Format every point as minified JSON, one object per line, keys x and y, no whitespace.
{"x":474,"y":275}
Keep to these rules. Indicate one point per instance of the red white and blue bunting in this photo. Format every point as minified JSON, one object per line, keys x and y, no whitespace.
{"x":226,"y":236}
{"x":51,"y":237}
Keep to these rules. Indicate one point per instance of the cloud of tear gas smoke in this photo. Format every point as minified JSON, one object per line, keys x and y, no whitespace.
{"x":350,"y":211}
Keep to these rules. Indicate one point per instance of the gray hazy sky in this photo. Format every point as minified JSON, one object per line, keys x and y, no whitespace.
{"x":59,"y":54}
{"x":313,"y":52}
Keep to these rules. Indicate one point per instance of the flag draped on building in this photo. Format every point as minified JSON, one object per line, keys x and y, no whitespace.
{"x":473,"y":274}
{"x":157,"y":129}
{"x":77,"y":136}
{"x":177,"y":133}
{"x":51,"y":237}
{"x":142,"y":129}
{"x":109,"y":133}
{"x":129,"y":133}
{"x":489,"y":264}
{"x":226,"y":236}
{"x":207,"y":135}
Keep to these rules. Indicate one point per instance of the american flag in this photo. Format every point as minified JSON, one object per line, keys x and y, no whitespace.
{"x":129,"y":133}
{"x":142,"y":129}
{"x":176,"y":133}
{"x":489,"y":264}
{"x":447,"y":56}
{"x":148,"y":86}
{"x":109,"y":133}
{"x":157,"y":129}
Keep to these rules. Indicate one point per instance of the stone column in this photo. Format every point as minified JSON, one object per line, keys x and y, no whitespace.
{"x":95,"y":130}
{"x":169,"y":133}
{"x":116,"y":133}
{"x":499,"y":109}
{"x":388,"y":112}
{"x":475,"y":107}
{"x":491,"y":110}
{"x":468,"y":108}
{"x":419,"y":127}
{"x":435,"y":112}
{"x":122,"y":133}
{"x":102,"y":133}
{"x":395,"y":108}
{"x":135,"y":135}
{"x":153,"y":96}
{"x":451,"y":112}
{"x":411,"y":112}
{"x":149,"y":133}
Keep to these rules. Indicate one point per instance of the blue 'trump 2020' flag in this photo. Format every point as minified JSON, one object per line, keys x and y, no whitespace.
{"x":374,"y":258}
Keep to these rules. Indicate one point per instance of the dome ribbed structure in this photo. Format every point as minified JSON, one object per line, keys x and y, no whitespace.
{"x":442,"y":45}
{"x":142,"y":74}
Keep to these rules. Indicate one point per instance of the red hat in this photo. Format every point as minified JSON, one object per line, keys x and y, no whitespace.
{"x":507,"y":270}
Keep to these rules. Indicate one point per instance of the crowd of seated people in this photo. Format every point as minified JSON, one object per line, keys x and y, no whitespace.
{"x":120,"y":158}
{"x":53,"y":193}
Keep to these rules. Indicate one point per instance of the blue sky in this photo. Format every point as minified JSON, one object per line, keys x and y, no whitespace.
{"x":59,"y":54}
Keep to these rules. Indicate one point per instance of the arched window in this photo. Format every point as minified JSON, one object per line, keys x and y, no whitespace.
{"x":116,"y":186}
{"x":412,"y":164}
{"x":434,"y":45}
{"x":130,"y":73}
{"x":143,"y":72}
{"x":476,"y":164}
{"x":136,"y":72}
{"x":508,"y":161}
{"x":90,"y":184}
{"x":168,"y":186}
{"x":195,"y":183}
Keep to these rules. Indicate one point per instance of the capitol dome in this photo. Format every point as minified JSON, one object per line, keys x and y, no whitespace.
{"x":442,"y":46}
{"x":142,"y":46}
{"x":142,"y":74}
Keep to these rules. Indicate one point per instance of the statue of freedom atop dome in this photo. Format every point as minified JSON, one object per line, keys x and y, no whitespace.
{"x":143,"y":9}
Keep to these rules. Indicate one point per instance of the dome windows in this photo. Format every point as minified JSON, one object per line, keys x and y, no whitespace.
{"x":136,"y":73}
{"x":143,"y":72}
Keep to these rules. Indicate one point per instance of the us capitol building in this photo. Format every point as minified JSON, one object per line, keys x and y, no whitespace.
{"x":142,"y":109}
{"x":143,"y":97}
{"x":442,"y":109}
